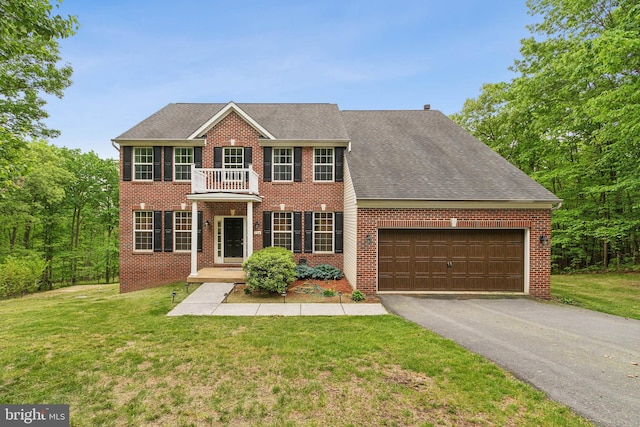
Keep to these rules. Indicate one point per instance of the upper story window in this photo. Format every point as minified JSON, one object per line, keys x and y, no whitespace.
{"x":143,"y":230}
{"x":323,"y":232}
{"x":282,"y":230}
{"x":323,"y":165}
{"x":233,"y":158}
{"x":183,"y":159}
{"x":283,"y":164}
{"x":143,"y":163}
{"x":182,"y":230}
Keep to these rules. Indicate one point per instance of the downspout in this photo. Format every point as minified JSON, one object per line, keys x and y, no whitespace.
{"x":113,"y":144}
{"x":557,"y":207}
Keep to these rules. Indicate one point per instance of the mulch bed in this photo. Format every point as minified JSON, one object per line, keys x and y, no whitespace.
{"x":302,"y":291}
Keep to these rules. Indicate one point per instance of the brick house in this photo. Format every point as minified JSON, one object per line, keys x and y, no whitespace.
{"x":401,"y":201}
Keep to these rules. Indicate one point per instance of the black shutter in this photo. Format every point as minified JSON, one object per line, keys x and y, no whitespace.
{"x":266,"y":165}
{"x":266,"y":229}
{"x":247,"y":160}
{"x":308,"y":232}
{"x":339,"y":153}
{"x":199,"y":231}
{"x":338,"y":226}
{"x":297,"y":232}
{"x":197,"y":157}
{"x":217,"y":157}
{"x":157,"y":163}
{"x":157,"y":231}
{"x":168,"y":163}
{"x":248,"y":157}
{"x":168,"y":231}
{"x":126,"y":163}
{"x":297,"y":164}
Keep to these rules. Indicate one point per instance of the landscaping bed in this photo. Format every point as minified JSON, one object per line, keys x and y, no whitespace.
{"x":302,"y":291}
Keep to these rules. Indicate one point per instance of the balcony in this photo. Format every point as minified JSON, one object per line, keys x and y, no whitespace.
{"x":244,"y":181}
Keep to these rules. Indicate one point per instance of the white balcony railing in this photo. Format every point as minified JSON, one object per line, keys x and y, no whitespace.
{"x":224,"y":180}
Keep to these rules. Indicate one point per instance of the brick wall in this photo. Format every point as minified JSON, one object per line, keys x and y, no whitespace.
{"x":144,"y":270}
{"x":538,"y":221}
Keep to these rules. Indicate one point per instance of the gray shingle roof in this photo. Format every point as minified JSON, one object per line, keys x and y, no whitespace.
{"x":399,"y":154}
{"x":423,"y":155}
{"x":284,"y":121}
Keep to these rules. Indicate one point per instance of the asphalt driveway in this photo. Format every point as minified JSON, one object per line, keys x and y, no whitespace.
{"x":584,"y":359}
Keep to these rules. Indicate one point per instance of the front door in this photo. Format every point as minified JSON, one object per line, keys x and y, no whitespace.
{"x":233,"y":238}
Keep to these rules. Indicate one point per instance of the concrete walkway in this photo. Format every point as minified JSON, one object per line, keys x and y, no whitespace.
{"x":207,"y":301}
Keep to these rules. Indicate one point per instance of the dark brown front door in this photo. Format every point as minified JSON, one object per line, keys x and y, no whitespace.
{"x":233,"y":238}
{"x":451,"y":260}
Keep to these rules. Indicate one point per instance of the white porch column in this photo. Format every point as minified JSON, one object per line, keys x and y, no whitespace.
{"x":194,"y":239}
{"x":249,"y":250}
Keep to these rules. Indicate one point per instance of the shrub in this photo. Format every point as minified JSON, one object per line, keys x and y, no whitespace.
{"x":357,"y":296}
{"x":326,"y":272}
{"x":271,"y":269}
{"x":329,"y":293}
{"x":20,"y":275}
{"x":303,"y":272}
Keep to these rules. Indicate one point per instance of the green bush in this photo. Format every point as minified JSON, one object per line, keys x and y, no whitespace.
{"x":20,"y":275}
{"x":326,"y":272}
{"x":303,"y":272}
{"x":357,"y":296}
{"x":271,"y":269}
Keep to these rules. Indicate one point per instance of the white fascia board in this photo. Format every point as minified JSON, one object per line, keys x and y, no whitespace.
{"x":148,"y":142}
{"x":304,"y":143}
{"x":454,"y":204}
{"x":224,"y":197}
{"x":231,"y":106}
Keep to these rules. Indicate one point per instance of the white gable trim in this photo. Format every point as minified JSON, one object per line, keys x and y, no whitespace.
{"x":231,"y":106}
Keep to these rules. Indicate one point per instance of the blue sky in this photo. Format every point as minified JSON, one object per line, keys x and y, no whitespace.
{"x":131,"y":58}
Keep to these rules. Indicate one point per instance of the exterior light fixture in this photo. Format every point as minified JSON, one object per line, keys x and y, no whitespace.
{"x":284,"y":296}
{"x":173,"y":296}
{"x":186,"y":287}
{"x":256,"y":226}
{"x":207,"y":224}
{"x":543,"y":239}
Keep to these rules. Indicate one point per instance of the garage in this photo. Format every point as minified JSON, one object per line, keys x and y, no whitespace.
{"x":446,"y":260}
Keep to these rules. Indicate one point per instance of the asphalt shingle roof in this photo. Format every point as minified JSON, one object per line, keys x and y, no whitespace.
{"x":397,"y":154}
{"x":424,"y":155}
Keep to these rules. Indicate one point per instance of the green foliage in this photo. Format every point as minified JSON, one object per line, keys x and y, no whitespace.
{"x":303,"y":271}
{"x":357,"y":295}
{"x":20,"y":275}
{"x":329,"y":293}
{"x":326,"y":272}
{"x":271,"y":269}
{"x":571,"y":120}
{"x":29,"y":57}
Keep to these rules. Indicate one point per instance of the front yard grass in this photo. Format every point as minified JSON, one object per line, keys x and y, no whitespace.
{"x":611,"y":293}
{"x":118,"y":360}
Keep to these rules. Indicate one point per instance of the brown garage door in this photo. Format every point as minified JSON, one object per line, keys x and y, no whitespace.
{"x":451,"y":260}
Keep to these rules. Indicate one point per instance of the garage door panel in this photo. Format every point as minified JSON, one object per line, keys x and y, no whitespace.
{"x":451,"y":260}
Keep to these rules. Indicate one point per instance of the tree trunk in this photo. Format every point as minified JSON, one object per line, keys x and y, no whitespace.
{"x":605,"y":255}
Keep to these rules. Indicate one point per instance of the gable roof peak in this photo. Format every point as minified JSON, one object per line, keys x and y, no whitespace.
{"x":224,"y":112}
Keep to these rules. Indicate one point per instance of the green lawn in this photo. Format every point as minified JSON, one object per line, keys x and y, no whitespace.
{"x":611,"y":293}
{"x":118,"y":360}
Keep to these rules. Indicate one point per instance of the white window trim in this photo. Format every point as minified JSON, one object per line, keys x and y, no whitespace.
{"x":332,"y":232}
{"x":273,"y":232}
{"x":175,"y":163}
{"x":175,"y":231}
{"x":273,"y":165}
{"x":333,"y":164}
{"x":134,"y":163}
{"x":224,"y":157}
{"x":135,"y":230}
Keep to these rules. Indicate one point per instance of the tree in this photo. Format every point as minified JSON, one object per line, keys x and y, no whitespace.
{"x":29,"y":57}
{"x":571,"y":119}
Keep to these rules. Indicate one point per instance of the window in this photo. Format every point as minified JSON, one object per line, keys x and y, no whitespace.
{"x":143,"y":230}
{"x":183,"y":159}
{"x":323,"y":164}
{"x":233,"y":158}
{"x":323,"y":232}
{"x":283,"y":164}
{"x":282,"y":230}
{"x":182,"y":230}
{"x":143,"y":161}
